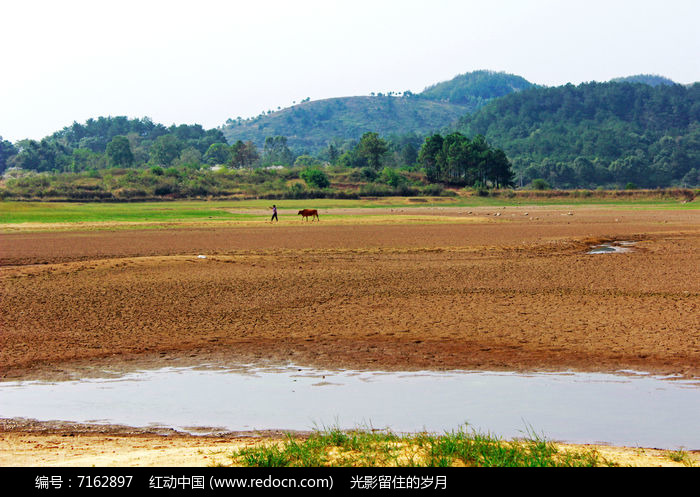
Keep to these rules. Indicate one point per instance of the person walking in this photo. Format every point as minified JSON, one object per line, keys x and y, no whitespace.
{"x":274,"y":213}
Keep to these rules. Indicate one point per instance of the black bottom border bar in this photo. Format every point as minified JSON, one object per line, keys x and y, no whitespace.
{"x":315,"y":481}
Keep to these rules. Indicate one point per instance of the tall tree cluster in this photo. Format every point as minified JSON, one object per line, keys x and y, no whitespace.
{"x":276,"y":152}
{"x":457,"y":160}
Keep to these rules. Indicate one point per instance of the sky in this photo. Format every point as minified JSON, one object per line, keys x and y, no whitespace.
{"x":203,"y":62}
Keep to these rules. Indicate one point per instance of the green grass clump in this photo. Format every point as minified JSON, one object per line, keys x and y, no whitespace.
{"x":680,"y":456}
{"x":475,"y":449}
{"x":334,"y":447}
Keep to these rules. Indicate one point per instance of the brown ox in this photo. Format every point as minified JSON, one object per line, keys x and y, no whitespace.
{"x":305,"y":213}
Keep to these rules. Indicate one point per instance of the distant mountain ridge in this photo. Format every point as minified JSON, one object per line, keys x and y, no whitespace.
{"x":647,"y":79}
{"x":310,"y":126}
{"x":476,"y":88}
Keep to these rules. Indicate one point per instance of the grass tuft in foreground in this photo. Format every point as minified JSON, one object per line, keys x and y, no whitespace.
{"x":334,"y":447}
{"x":681,"y":456}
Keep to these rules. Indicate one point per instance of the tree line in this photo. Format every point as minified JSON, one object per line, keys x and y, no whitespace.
{"x":93,"y":162}
{"x":120,"y":142}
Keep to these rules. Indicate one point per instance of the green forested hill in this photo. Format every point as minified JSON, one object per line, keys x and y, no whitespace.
{"x":311,"y":126}
{"x":597,"y":133}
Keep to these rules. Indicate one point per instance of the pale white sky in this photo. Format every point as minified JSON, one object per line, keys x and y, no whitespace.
{"x":206,"y":61}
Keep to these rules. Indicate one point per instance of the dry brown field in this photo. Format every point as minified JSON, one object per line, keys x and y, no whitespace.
{"x":513,"y":291}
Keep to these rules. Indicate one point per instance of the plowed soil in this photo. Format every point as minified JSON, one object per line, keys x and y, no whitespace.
{"x":508,"y":292}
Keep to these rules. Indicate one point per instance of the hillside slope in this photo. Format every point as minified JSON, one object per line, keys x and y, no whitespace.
{"x":310,"y":126}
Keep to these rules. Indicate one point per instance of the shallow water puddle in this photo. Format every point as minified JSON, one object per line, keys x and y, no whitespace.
{"x":631,"y":409}
{"x":612,"y":248}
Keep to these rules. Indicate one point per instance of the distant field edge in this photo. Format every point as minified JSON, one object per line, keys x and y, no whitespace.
{"x":13,"y":213}
{"x":452,"y":194}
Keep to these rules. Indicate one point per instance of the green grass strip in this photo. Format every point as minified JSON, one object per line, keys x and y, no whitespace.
{"x":334,"y":447}
{"x":12,"y":212}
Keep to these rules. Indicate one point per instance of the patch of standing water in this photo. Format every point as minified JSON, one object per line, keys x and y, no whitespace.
{"x":630,"y":410}
{"x":611,"y":248}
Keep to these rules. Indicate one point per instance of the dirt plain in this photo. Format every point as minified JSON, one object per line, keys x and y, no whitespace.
{"x":494,"y":289}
